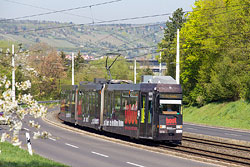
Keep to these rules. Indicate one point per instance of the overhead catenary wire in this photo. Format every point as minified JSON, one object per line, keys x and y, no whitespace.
{"x":59,"y":11}
{"x":37,"y":7}
{"x":82,"y":7}
{"x":206,"y":37}
{"x":99,"y":22}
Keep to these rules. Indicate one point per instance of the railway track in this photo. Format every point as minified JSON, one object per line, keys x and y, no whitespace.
{"x":230,"y":154}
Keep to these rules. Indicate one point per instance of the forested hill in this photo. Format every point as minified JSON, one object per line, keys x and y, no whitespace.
{"x":90,"y":39}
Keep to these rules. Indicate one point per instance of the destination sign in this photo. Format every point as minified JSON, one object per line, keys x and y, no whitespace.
{"x":171,"y":96}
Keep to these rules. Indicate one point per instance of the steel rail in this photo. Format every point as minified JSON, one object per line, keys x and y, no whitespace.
{"x":217,"y":143}
{"x":209,"y":154}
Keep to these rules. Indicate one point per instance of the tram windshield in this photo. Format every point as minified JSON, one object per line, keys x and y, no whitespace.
{"x":170,"y":106}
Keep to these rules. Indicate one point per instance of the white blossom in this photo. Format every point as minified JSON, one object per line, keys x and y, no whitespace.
{"x":3,"y":80}
{"x":7,"y":95}
{"x":36,"y":135}
{"x":7,"y":84}
{"x":31,"y":123}
{"x":4,"y":136}
{"x":18,"y":126}
{"x":26,"y":98}
{"x":45,"y":135}
{"x":13,"y":114}
{"x":23,"y":85}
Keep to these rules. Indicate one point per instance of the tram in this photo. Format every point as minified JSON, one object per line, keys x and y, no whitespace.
{"x":151,"y":109}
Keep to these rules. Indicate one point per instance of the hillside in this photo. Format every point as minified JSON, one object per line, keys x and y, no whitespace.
{"x":89,"y":39}
{"x":227,"y":114}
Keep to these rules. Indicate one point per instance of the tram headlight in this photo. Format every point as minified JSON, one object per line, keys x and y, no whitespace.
{"x":178,"y":126}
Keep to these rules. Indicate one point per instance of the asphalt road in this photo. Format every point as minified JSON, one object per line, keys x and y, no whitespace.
{"x":83,"y":151}
{"x":215,"y":131}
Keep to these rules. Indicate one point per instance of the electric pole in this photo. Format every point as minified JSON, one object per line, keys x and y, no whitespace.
{"x":73,"y":79}
{"x":178,"y":59}
{"x":160,"y":65}
{"x":13,"y":75}
{"x":135,"y":72}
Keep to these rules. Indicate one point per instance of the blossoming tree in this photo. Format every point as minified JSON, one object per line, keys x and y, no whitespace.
{"x":13,"y":113}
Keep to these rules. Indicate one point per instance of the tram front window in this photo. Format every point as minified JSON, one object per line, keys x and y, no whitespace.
{"x":169,"y":108}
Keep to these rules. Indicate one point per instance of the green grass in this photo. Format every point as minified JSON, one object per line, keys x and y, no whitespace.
{"x":230,"y":114}
{"x":12,"y":156}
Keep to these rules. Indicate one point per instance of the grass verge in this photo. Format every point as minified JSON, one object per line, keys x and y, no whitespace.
{"x":12,"y":156}
{"x":228,"y":114}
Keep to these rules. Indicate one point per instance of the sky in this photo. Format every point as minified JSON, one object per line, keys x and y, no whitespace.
{"x":118,"y":10}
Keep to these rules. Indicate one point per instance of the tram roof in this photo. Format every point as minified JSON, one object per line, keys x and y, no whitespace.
{"x":123,"y":86}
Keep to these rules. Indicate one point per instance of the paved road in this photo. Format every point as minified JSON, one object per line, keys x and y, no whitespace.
{"x":218,"y":132}
{"x":79,"y":150}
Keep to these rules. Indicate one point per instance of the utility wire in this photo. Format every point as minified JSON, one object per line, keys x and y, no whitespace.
{"x":59,"y":11}
{"x":37,"y":7}
{"x":100,"y":22}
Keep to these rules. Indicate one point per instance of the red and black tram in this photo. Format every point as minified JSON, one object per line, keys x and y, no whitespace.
{"x":146,"y":110}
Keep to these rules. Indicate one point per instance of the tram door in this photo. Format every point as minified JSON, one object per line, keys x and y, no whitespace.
{"x":146,"y":115}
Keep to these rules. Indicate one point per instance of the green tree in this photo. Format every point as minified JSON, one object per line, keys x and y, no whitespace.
{"x":78,"y":61}
{"x":214,"y":55}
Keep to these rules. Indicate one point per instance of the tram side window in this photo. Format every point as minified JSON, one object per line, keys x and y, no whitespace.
{"x":143,"y":102}
{"x":94,"y":103}
{"x":133,"y":106}
{"x":109,"y":104}
{"x":125,"y":99}
{"x":125,"y":103}
{"x":117,"y":110}
{"x":91,"y":103}
{"x":150,"y":111}
{"x":86,"y":99}
{"x":106,"y":104}
{"x":134,"y":100}
{"x":112,"y":103}
{"x":86,"y":103}
{"x":83,"y":101}
{"x":68,"y":99}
